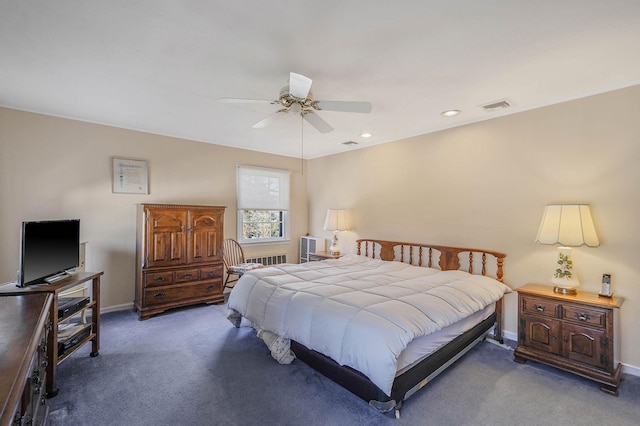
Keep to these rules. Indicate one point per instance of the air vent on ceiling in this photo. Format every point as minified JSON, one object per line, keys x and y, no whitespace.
{"x":350,"y":143}
{"x":496,"y":105}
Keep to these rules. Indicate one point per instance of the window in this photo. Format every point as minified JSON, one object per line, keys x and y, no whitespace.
{"x":263,"y":204}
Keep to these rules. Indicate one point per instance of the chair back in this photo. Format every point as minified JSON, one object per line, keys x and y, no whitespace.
{"x":232,"y":253}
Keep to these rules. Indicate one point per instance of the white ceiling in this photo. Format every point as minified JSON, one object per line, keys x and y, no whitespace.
{"x":160,"y":66}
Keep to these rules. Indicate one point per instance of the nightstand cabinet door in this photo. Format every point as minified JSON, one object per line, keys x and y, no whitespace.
{"x":541,"y":333}
{"x":587,"y":345}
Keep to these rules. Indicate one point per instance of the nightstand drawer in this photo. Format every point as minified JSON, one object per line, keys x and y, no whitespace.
{"x":539,"y":306}
{"x":596,"y":318}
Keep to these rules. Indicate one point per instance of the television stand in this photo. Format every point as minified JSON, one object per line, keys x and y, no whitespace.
{"x":93,"y":306}
{"x":54,"y":278}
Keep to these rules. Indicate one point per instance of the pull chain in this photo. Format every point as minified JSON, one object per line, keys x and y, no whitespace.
{"x":301,"y":144}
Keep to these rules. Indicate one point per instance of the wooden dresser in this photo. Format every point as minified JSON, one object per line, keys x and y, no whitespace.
{"x":179,"y":256}
{"x":576,"y":333}
{"x":24,"y":326}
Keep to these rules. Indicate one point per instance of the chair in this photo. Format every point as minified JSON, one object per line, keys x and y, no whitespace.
{"x":233,"y":257}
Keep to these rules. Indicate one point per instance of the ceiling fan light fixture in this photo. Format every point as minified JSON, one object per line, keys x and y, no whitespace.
{"x":366,"y":135}
{"x":450,"y":113}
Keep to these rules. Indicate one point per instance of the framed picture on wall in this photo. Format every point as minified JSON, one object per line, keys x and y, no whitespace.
{"x":130,"y":176}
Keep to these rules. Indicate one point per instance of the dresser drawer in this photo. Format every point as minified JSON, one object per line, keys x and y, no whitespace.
{"x":152,"y":279}
{"x":540,"y":306}
{"x":211,"y":272}
{"x":590,"y":316}
{"x":183,"y":292}
{"x":186,"y":275}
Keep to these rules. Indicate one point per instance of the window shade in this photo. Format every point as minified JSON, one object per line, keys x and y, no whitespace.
{"x":262,"y":189}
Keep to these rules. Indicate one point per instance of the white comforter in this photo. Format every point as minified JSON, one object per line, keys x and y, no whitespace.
{"x":360,"y":312}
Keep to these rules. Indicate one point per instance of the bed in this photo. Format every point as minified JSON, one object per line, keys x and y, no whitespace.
{"x":382,"y":322}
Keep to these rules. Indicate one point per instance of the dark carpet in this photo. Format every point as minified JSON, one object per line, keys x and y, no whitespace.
{"x":192,"y":367}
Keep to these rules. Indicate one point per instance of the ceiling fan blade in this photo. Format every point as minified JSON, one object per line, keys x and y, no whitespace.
{"x":244,"y":101}
{"x":316,"y":121}
{"x":264,"y":123}
{"x":299,"y":85}
{"x":344,"y":106}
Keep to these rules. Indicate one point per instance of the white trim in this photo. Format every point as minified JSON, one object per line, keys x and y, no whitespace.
{"x":510,"y":335}
{"x":116,"y":308}
{"x":631,"y":370}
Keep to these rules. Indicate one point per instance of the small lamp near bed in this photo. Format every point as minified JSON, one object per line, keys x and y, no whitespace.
{"x":570,"y":225}
{"x":336,"y":221}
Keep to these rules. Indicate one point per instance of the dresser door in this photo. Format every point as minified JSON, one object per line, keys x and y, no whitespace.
{"x":166,"y":237}
{"x":205,"y":236}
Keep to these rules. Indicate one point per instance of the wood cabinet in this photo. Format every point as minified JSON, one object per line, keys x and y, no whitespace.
{"x":92,"y":333}
{"x":24,"y":327}
{"x":179,"y":256}
{"x":576,"y":333}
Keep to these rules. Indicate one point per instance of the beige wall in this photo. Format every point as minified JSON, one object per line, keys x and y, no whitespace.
{"x":482,"y":185}
{"x":486,"y":184}
{"x":52,"y":168}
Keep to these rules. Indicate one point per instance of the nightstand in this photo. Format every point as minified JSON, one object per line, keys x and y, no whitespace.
{"x":322,"y":255}
{"x":575,"y":333}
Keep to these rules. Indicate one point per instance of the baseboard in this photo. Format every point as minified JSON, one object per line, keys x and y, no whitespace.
{"x":509,"y":335}
{"x":631,"y":370}
{"x":116,"y":308}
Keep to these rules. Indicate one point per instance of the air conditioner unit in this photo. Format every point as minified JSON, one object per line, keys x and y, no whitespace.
{"x":310,"y":245}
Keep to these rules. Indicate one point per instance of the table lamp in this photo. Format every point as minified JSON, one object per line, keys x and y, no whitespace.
{"x":570,"y":225}
{"x":336,"y":221}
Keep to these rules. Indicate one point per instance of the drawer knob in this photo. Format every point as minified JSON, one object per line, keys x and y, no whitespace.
{"x":158,"y":295}
{"x":186,"y":276}
{"x":539,"y":308}
{"x":211,"y":287}
{"x":582,"y":317}
{"x":159,"y":278}
{"x":211,"y":274}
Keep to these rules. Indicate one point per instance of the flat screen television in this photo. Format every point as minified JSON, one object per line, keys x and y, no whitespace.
{"x":47,"y":250}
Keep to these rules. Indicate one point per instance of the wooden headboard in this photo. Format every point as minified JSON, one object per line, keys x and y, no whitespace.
{"x":447,"y":258}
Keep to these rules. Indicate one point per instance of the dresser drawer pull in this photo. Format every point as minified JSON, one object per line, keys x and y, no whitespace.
{"x":159,"y":279}
{"x":211,"y":274}
{"x":539,"y":308}
{"x":186,"y":275}
{"x":211,"y":287}
{"x":158,"y":295}
{"x":582,"y":317}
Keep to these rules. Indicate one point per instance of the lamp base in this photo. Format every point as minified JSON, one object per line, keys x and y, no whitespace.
{"x":565,"y":290}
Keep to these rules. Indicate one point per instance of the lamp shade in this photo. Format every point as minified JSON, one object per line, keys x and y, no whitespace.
{"x":567,"y":224}
{"x":336,"y":220}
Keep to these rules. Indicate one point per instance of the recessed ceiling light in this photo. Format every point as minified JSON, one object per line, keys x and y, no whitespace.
{"x":366,"y":135}
{"x":450,"y":113}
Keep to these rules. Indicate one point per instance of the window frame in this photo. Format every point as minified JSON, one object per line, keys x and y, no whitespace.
{"x":263,"y":240}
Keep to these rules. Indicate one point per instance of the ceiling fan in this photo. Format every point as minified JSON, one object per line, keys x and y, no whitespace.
{"x":296,"y":98}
